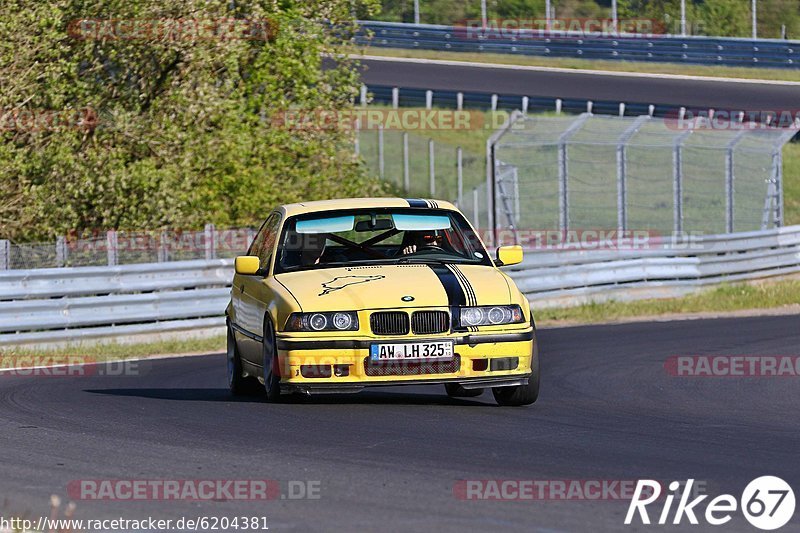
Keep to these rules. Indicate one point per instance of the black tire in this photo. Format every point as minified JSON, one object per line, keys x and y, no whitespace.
{"x":455,"y":390}
{"x":522,"y":394}
{"x":237,"y":383}
{"x":271,"y":367}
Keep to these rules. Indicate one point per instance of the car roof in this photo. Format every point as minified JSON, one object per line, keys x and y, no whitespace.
{"x":362,"y":203}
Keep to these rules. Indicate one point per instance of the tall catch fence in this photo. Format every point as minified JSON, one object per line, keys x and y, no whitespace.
{"x":668,"y":177}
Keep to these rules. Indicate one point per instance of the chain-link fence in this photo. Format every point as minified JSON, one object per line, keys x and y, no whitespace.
{"x":622,"y":173}
{"x":418,"y":166}
{"x":126,"y":247}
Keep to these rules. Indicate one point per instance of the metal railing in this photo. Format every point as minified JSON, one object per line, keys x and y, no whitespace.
{"x":112,"y":247}
{"x":79,"y":304}
{"x":658,"y":48}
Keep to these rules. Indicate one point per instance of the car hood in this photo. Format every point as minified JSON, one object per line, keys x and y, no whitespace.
{"x":390,"y":286}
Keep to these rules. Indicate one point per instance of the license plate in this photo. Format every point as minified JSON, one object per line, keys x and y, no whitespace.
{"x":411,"y":351}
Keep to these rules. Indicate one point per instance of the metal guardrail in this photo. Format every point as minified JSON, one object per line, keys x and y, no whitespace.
{"x":50,"y":305}
{"x":46,"y":306}
{"x":772,"y":53}
{"x":572,"y":277}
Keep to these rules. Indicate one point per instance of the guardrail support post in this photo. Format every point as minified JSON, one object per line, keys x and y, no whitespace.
{"x":395,"y":97}
{"x":428,"y":99}
{"x":432,"y":168}
{"x":558,"y":105}
{"x":525,"y":104}
{"x":406,"y":176}
{"x":5,"y":254}
{"x":363,"y":96}
{"x":61,"y":251}
{"x":111,"y":248}
{"x":459,"y":101}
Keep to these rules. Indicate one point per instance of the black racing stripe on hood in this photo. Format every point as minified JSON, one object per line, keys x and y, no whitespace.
{"x":455,"y":293}
{"x":465,"y":284}
{"x":414,"y":202}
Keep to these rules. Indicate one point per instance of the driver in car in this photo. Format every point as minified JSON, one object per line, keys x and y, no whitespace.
{"x":423,"y":240}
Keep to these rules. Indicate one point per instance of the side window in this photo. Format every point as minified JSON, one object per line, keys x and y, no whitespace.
{"x":265,"y":240}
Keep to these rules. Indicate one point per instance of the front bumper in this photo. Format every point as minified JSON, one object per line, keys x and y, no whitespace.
{"x":486,"y":359}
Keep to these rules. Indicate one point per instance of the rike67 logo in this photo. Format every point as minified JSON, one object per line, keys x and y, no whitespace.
{"x":767,"y":503}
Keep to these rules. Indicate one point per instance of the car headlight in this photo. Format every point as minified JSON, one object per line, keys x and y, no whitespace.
{"x":490,"y":315}
{"x":331,"y":321}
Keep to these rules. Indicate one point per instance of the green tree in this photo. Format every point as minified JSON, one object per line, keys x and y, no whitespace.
{"x":186,"y":131}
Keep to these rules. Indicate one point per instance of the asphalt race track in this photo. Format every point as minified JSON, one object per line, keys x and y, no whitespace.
{"x":388,"y":459}
{"x":646,"y":90}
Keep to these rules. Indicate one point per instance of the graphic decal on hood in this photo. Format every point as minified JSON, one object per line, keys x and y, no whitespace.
{"x":340,"y":282}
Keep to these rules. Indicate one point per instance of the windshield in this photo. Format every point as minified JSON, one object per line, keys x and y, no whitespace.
{"x":377,"y":236}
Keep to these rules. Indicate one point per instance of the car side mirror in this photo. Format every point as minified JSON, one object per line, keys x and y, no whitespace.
{"x":247,"y":264}
{"x":509,"y":255}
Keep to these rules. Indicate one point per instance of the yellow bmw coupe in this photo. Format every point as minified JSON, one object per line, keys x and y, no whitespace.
{"x":338,"y":295}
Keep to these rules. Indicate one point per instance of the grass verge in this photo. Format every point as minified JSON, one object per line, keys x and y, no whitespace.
{"x":724,"y":298}
{"x":594,"y":64}
{"x":9,"y":356}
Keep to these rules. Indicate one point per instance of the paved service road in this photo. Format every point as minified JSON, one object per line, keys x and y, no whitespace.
{"x":666,"y":90}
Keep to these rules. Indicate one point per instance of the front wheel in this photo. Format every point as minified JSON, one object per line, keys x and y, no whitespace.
{"x":522,"y":394}
{"x":237,"y":383}
{"x":271,"y":368}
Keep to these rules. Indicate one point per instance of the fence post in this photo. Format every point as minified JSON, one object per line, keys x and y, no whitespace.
{"x":431,"y":168}
{"x":459,"y":101}
{"x":61,"y":251}
{"x":558,"y":105}
{"x":428,"y":99}
{"x":5,"y":254}
{"x":363,"y":96}
{"x":111,"y":248}
{"x":729,"y":181}
{"x":525,"y":102}
{"x":358,"y":137}
{"x":380,"y":152}
{"x":406,"y":176}
{"x":460,"y":177}
{"x":163,"y":254}
{"x":563,"y":172}
{"x":209,"y":238}
{"x":677,"y":183}
{"x":475,"y":219}
{"x":622,"y":171}
{"x":395,"y":97}
{"x":777,"y":162}
{"x":494,"y":102}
